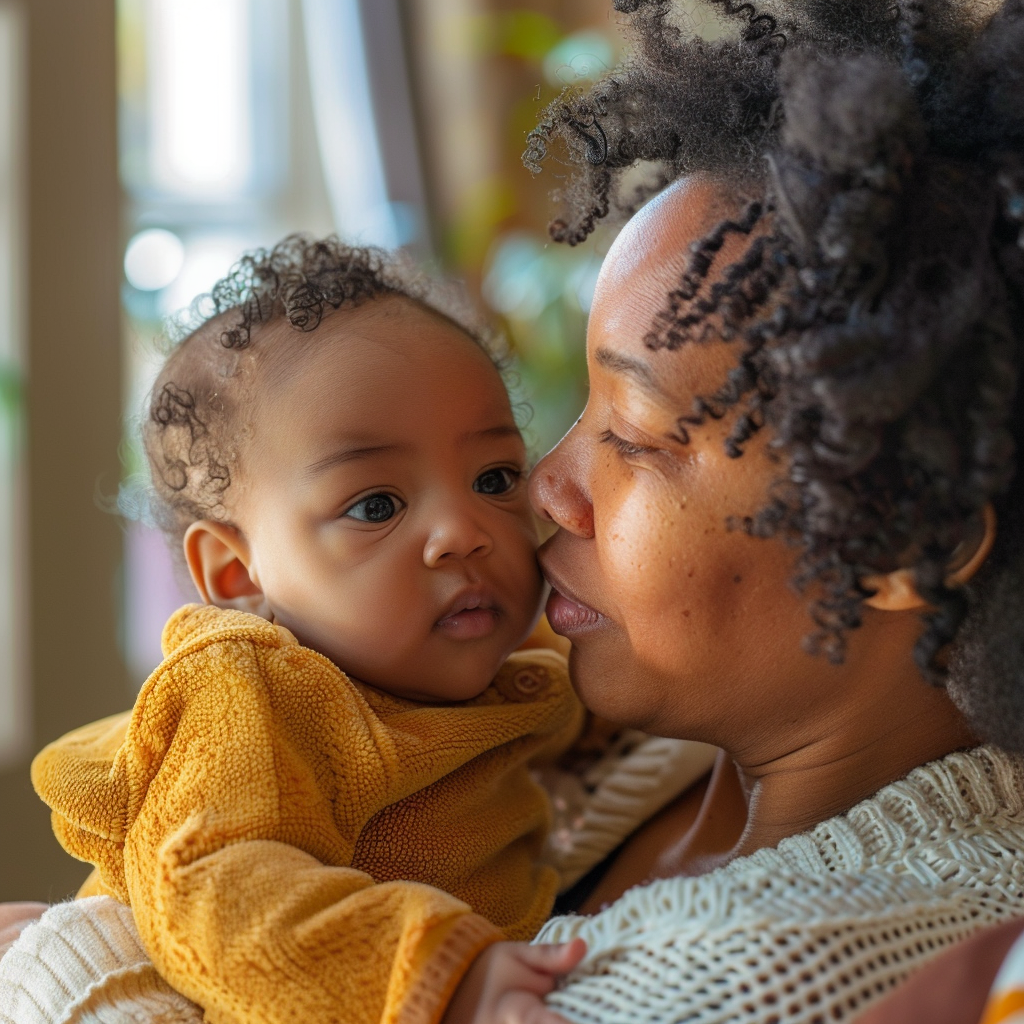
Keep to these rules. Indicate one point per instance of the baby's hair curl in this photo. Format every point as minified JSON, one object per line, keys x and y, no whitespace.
{"x":878,"y":310}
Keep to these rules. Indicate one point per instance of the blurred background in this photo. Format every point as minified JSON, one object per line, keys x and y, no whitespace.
{"x":143,"y":145}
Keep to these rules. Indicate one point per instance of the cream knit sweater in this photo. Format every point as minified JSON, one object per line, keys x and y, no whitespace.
{"x":824,"y":924}
{"x":811,"y":931}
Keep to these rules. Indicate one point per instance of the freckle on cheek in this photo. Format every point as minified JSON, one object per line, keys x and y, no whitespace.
{"x":737,"y":579}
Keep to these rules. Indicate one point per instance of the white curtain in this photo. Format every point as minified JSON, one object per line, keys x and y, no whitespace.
{"x":362,"y":109}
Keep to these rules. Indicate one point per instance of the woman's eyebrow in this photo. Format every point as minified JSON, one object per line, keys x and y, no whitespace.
{"x":349,"y":454}
{"x":640,"y":371}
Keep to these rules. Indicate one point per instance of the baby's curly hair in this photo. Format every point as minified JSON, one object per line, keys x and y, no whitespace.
{"x":194,"y":428}
{"x":878,"y":310}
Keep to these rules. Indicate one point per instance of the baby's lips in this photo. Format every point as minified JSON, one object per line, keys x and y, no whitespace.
{"x":469,"y":623}
{"x":469,"y":599}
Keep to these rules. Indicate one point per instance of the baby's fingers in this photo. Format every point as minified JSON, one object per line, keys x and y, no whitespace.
{"x":524,"y":1008}
{"x":553,"y":959}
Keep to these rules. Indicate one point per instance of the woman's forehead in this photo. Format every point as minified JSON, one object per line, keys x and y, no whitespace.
{"x":642,"y":268}
{"x":653,"y":249}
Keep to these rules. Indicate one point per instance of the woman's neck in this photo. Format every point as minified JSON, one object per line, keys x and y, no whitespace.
{"x":885,"y":721}
{"x":815,"y":784}
{"x":892,"y":721}
{"x":881,"y":721}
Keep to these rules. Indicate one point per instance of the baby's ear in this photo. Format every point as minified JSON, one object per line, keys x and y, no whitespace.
{"x":220,"y":563}
{"x":896,"y":592}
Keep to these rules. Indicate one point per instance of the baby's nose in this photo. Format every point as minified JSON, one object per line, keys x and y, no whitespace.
{"x":456,"y":536}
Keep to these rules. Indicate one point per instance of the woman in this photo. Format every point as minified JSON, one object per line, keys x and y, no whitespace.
{"x":803,"y":359}
{"x":817,"y":343}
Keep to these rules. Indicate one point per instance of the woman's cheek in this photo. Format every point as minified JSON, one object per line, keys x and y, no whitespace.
{"x":645,"y":537}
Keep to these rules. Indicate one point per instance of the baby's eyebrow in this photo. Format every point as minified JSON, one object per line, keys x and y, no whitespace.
{"x":350,"y":454}
{"x":503,"y":430}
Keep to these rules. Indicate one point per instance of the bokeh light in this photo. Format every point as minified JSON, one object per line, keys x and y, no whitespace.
{"x":153,"y":259}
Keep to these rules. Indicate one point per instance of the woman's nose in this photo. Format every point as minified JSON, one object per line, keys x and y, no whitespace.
{"x":556,"y":491}
{"x":456,"y":533}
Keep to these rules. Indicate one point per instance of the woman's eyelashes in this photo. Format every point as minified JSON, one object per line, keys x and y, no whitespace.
{"x":374,"y":508}
{"x":624,"y":447}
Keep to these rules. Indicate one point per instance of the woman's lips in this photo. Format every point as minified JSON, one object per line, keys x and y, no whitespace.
{"x":567,"y":616}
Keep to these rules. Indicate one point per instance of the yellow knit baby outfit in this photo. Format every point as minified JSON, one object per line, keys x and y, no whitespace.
{"x":298,"y":846}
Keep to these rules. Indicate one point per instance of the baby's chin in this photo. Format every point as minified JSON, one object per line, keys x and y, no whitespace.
{"x":460,"y":677}
{"x":446,"y":671}
{"x":454,"y":659}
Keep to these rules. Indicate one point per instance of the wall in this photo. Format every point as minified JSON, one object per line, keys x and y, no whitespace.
{"x":71,"y":240}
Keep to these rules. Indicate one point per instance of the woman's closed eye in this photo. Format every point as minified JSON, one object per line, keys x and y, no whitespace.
{"x":624,"y":447}
{"x":374,"y":508}
{"x":496,"y":481}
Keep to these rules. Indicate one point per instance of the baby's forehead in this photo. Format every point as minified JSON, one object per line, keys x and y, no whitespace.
{"x":394,"y":377}
{"x":393,"y":325}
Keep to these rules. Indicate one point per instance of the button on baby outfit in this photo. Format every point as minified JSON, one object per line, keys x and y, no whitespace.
{"x":530,"y":681}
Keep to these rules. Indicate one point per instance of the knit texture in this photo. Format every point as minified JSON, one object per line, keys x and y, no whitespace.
{"x":597,"y":803}
{"x":821,"y":926}
{"x":83,"y":963}
{"x":296,"y":845}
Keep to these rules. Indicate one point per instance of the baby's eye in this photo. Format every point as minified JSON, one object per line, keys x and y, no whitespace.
{"x":377,"y":508}
{"x":496,"y":481}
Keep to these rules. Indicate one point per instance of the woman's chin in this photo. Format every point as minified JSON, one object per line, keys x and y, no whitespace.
{"x":606,"y":692}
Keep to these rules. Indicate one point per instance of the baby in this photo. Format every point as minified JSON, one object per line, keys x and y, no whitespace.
{"x":320,"y":808}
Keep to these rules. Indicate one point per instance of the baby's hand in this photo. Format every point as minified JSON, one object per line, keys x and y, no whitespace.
{"x":508,"y":981}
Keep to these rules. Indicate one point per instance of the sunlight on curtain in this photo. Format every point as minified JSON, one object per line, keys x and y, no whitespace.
{"x":346,"y":129}
{"x":14,"y":721}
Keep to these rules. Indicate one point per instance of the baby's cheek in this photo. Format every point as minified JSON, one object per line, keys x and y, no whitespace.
{"x":522,"y":576}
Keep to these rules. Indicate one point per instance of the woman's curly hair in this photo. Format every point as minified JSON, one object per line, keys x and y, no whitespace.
{"x":878,"y":310}
{"x":194,"y":427}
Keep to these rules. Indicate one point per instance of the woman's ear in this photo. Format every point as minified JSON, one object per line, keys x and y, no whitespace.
{"x":220,"y":563}
{"x":896,"y":591}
